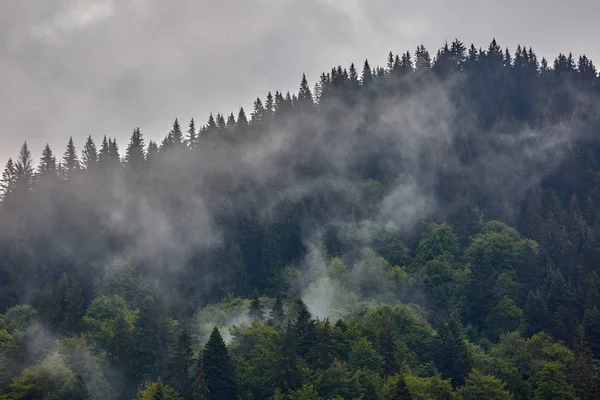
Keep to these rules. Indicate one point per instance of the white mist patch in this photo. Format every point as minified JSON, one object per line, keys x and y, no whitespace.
{"x":327,"y":298}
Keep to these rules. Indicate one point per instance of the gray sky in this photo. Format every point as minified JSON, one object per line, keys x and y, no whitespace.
{"x":80,"y":67}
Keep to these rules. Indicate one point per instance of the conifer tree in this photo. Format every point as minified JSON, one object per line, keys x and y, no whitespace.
{"x":305,"y":99}
{"x":192,"y":137}
{"x":9,"y":177}
{"x":241,"y":126}
{"x":256,"y":311}
{"x":304,"y":330}
{"x":135,"y":156}
{"x":367,"y":74}
{"x":176,"y":135}
{"x":113,"y":152}
{"x":258,"y":112}
{"x":70,"y":161}
{"x":24,"y":174}
{"x":218,"y":369}
{"x":47,"y":165}
{"x":220,"y":122}
{"x":89,"y":155}
{"x":104,"y":154}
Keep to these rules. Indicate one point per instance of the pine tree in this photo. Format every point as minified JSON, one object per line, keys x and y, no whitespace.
{"x":258,"y":112}
{"x":9,"y":177}
{"x":135,"y":156}
{"x":220,"y":122}
{"x":305,"y":99}
{"x":218,"y":369}
{"x":256,"y":311}
{"x":176,"y":135}
{"x":89,"y":155}
{"x":70,"y":161}
{"x":24,"y":174}
{"x":104,"y":154}
{"x":113,"y":152}
{"x":241,"y":126}
{"x":367,"y":74}
{"x":47,"y":165}
{"x":305,"y":333}
{"x":192,"y":138}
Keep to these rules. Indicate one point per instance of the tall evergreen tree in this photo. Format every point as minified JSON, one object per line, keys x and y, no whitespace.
{"x":104,"y":154}
{"x":9,"y":177}
{"x":47,"y":165}
{"x":218,"y":369}
{"x":89,"y":155}
{"x":135,"y":156}
{"x":70,"y":161}
{"x":24,"y":174}
{"x":192,"y":137}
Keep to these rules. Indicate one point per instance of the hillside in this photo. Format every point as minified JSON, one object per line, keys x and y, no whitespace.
{"x":425,"y":230}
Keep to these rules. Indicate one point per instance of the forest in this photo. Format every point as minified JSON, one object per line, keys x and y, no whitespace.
{"x":429,"y":229}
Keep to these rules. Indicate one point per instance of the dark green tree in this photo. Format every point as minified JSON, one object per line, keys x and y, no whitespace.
{"x":218,"y":369}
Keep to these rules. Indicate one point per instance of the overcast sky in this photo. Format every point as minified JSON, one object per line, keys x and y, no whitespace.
{"x":81,"y":67}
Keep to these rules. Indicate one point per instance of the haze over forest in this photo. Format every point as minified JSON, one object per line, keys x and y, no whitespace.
{"x":425,"y":229}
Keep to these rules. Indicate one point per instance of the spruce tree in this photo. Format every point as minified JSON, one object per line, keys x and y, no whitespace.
{"x":113,"y":152}
{"x":305,"y":99}
{"x":367,"y":74}
{"x":9,"y":177}
{"x":104,"y":154}
{"x":89,"y":155}
{"x":24,"y":174}
{"x":305,"y":332}
{"x":47,"y":165}
{"x":192,"y":137}
{"x":70,"y":161}
{"x":256,"y":311}
{"x":218,"y":369}
{"x":241,"y":126}
{"x":135,"y":156}
{"x":176,"y":135}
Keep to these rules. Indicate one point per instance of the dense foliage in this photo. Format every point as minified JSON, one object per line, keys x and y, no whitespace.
{"x":428,"y":230}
